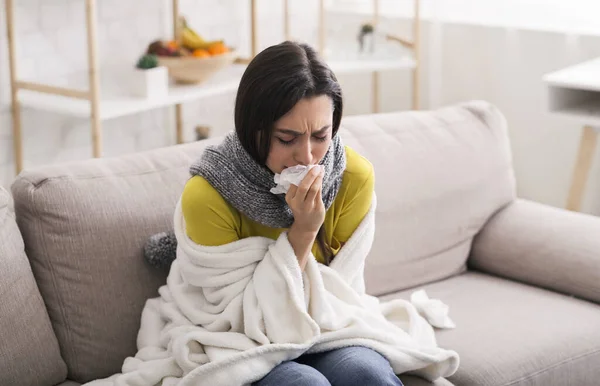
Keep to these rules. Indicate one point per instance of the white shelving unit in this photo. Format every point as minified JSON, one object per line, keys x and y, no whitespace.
{"x":117,"y":106}
{"x":375,"y":66}
{"x":223,"y":82}
{"x":96,"y":106}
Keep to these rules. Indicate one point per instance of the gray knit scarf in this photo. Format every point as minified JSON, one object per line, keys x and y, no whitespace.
{"x":246,"y":185}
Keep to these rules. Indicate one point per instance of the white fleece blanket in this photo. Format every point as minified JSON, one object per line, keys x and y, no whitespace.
{"x":229,"y":314}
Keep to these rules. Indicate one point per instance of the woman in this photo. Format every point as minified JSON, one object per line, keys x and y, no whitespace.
{"x":287,"y":113}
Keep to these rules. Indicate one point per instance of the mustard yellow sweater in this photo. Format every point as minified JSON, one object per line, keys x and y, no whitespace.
{"x":212,"y":221}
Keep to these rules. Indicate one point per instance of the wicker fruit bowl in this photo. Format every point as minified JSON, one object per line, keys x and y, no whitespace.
{"x":190,"y":58}
{"x":193,"y":69}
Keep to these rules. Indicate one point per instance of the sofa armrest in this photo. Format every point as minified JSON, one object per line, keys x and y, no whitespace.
{"x":543,"y":246}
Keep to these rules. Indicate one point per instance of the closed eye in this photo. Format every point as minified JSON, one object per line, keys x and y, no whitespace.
{"x":319,"y":137}
{"x":286,"y":143}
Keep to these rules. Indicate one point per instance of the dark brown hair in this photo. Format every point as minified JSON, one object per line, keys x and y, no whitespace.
{"x":275,"y":80}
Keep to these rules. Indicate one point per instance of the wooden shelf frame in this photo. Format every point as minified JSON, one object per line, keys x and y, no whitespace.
{"x":93,"y":95}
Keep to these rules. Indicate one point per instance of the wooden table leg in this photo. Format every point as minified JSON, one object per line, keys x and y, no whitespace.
{"x":587,"y":148}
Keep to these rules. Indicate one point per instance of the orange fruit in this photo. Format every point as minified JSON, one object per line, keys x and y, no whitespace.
{"x":172,"y":44}
{"x":200,"y":53}
{"x":218,"y":48}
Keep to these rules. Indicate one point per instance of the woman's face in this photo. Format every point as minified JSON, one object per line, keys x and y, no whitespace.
{"x":303,"y":135}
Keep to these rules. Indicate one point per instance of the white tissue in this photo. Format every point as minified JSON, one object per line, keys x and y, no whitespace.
{"x":289,"y":176}
{"x":433,"y":310}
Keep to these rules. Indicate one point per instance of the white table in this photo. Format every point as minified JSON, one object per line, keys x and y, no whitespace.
{"x":575,"y":92}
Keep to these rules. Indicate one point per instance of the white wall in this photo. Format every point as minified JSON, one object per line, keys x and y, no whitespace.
{"x":462,"y":61}
{"x":505,"y":66}
{"x":574,"y":16}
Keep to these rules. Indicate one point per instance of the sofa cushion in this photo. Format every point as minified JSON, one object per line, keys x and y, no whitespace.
{"x":513,"y":334}
{"x":30,"y":354}
{"x":84,"y":226}
{"x":439,"y":176}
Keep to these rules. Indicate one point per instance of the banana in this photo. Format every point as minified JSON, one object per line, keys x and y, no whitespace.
{"x":193,"y":33}
{"x":194,"y":42}
{"x":190,"y":39}
{"x":188,"y":36}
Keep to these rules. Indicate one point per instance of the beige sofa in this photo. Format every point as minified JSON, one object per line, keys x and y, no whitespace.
{"x":522,"y":279}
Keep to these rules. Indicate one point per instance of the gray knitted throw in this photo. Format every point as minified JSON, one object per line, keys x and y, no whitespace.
{"x":246,"y":186}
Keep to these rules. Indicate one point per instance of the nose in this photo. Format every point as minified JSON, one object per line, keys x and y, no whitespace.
{"x":303,"y":154}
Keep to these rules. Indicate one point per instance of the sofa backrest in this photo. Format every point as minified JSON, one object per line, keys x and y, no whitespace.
{"x":439,"y":176}
{"x":29,"y":352}
{"x":84,"y":225}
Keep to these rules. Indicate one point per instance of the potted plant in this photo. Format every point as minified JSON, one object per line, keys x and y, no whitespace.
{"x":150,"y":80}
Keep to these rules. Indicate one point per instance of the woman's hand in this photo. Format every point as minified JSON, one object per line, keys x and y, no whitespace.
{"x":306,"y":204}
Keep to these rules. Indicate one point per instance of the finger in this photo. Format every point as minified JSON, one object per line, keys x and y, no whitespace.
{"x":291,"y":193}
{"x":319,"y":197}
{"x":306,"y":183}
{"x":315,"y":189}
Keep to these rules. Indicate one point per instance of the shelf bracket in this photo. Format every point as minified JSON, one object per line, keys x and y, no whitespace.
{"x":38,"y":87}
{"x":404,"y":42}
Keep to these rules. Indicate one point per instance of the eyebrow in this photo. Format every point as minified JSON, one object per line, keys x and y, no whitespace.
{"x":297,"y":133}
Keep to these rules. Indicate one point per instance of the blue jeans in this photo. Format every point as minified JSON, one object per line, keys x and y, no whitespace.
{"x":348,"y":366}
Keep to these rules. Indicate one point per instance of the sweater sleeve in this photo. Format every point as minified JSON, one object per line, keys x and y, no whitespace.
{"x":209,"y":219}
